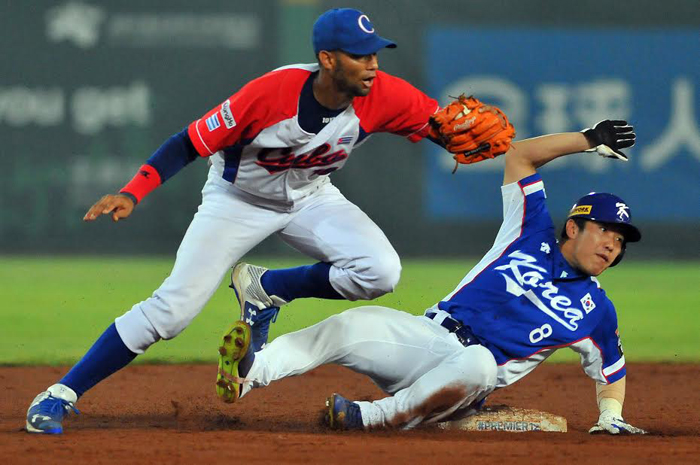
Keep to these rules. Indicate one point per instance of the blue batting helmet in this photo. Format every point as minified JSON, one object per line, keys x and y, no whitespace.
{"x":607,"y":208}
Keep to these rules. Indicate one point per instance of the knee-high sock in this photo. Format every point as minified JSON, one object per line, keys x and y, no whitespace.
{"x":106,"y":356}
{"x":302,"y":281}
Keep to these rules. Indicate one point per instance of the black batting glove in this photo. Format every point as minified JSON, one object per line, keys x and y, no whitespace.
{"x":610,"y":136}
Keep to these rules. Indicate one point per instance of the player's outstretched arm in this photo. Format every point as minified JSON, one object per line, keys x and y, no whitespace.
{"x":119,"y":205}
{"x":607,"y":138}
{"x":610,"y":399}
{"x":525,"y":156}
{"x":175,"y":153}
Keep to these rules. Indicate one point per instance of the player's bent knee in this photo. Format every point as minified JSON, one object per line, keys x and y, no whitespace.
{"x":476,"y":369}
{"x":482,"y":368}
{"x":390,"y":279}
{"x":385,"y":275}
{"x":464,"y":379}
{"x":372,"y":275}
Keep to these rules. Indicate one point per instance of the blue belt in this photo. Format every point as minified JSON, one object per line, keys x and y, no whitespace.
{"x":464,"y":333}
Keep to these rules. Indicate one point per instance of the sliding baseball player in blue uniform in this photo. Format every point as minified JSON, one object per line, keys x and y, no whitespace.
{"x":530,"y":295}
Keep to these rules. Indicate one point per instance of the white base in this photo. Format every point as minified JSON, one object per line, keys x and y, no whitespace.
{"x":509,"y":419}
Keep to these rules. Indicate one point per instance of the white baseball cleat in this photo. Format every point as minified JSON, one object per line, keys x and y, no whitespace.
{"x":258,"y":309}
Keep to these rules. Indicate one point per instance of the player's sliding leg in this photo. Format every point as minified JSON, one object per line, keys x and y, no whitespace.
{"x":394,"y":348}
{"x":429,"y":372}
{"x":221,"y":232}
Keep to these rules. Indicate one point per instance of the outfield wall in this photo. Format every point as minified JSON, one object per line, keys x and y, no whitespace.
{"x":90,"y":89}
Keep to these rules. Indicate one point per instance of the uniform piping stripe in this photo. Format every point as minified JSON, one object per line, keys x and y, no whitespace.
{"x":606,"y":372}
{"x":201,"y":139}
{"x":532,"y":188}
{"x":614,"y":368}
{"x":561,"y":346}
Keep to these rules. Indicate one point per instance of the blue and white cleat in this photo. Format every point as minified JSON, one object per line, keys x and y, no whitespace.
{"x":343,"y":414}
{"x":47,"y":410}
{"x":258,"y":309}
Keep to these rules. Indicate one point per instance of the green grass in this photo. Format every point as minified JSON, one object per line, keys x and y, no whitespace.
{"x":53,"y":308}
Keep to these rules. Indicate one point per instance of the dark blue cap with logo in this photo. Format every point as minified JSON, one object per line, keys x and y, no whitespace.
{"x":607,"y":208}
{"x":348,"y":30}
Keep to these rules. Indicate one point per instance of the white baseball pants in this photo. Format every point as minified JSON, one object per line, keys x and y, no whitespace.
{"x":430,"y":375}
{"x":325,"y":226}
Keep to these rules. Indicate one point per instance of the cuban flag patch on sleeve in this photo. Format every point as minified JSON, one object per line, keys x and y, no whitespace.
{"x":213,"y":122}
{"x":345,"y":140}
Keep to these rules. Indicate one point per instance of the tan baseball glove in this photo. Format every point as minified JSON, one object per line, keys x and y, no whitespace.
{"x":471,"y":130}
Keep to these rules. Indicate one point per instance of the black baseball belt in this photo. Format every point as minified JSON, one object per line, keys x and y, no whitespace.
{"x":464,"y":333}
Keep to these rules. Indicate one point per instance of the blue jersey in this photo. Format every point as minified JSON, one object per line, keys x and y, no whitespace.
{"x":524,"y":301}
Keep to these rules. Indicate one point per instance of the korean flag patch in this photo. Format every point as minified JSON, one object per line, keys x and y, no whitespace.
{"x":587,"y":303}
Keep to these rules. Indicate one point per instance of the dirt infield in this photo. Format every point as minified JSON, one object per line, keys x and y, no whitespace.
{"x":170,"y":414}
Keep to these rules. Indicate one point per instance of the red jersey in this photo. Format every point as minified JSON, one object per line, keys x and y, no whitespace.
{"x":259,"y":146}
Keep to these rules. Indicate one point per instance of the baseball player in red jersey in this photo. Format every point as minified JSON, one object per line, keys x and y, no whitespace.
{"x":272,"y":145}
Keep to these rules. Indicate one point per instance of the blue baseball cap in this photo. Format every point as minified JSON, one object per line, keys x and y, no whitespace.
{"x":348,"y":30}
{"x":607,"y":208}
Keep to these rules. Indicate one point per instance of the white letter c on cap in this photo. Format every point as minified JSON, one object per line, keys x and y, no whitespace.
{"x":362,"y":26}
